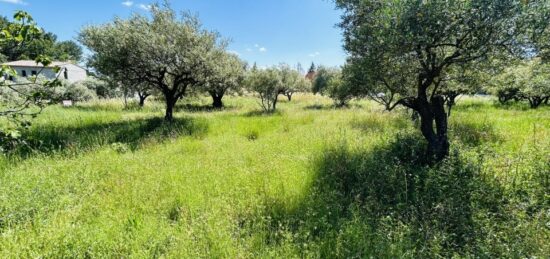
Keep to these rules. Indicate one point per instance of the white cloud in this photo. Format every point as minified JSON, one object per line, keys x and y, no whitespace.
{"x":145,"y":7}
{"x":316,"y":54}
{"x":257,"y":48}
{"x":14,"y":2}
{"x":128,"y":3}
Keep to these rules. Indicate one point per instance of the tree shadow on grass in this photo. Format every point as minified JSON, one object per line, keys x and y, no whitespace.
{"x":473,"y":134}
{"x":192,"y":107}
{"x":479,"y":105}
{"x":382,"y":202}
{"x":127,"y":134}
{"x":328,"y":107}
{"x":262,"y":113}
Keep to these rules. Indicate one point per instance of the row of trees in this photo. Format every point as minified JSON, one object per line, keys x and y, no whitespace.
{"x":270,"y":83}
{"x":173,"y":56}
{"x":529,"y":80}
{"x":168,"y":54}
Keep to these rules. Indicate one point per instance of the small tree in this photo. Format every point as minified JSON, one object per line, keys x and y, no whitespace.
{"x":227,"y":75}
{"x":319,"y":84}
{"x":340,"y":90}
{"x":267,"y":83}
{"x":292,"y":81}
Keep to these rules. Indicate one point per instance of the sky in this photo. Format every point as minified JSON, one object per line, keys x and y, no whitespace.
{"x":264,"y":31}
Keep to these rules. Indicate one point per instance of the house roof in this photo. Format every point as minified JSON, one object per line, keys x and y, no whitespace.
{"x":310,"y":75}
{"x":32,"y":63}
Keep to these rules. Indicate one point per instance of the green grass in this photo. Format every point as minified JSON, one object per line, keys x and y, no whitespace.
{"x":309,"y":181}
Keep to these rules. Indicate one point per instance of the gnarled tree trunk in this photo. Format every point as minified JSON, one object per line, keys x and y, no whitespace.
{"x":170,"y":103}
{"x":433,"y":113}
{"x":217,"y":101}
{"x":536,"y":101}
{"x":142,"y":98}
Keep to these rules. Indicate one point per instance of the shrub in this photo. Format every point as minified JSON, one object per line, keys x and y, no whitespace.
{"x":78,"y":92}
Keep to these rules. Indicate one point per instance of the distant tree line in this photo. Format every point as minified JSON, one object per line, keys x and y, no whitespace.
{"x":45,"y":43}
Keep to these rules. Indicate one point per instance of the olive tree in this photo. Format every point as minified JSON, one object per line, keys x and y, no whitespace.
{"x":166,"y":51}
{"x":420,"y":41}
{"x":227,"y":75}
{"x":292,"y":81}
{"x":532,"y":81}
{"x":319,"y":82}
{"x":267,"y":83}
{"x":329,"y":81}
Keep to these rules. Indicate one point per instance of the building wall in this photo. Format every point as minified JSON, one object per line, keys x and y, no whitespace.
{"x":46,"y":72}
{"x":74,"y":73}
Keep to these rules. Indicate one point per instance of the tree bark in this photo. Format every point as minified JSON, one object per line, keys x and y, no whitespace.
{"x":434,"y":113}
{"x":451,"y":102}
{"x":170,"y":103}
{"x":535,"y":102}
{"x":142,"y":100}
{"x":217,"y":101}
{"x":275,"y":104}
{"x":289,"y":96}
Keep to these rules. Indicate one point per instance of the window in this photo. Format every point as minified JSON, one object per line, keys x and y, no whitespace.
{"x":33,"y":72}
{"x":66,"y":74}
{"x":24,"y":73}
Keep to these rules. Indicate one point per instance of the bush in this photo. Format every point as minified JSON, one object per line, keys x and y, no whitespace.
{"x":78,"y":92}
{"x":101,"y":88}
{"x":339,"y":91}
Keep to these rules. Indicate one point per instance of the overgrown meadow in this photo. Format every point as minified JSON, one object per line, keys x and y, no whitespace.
{"x":98,"y":180}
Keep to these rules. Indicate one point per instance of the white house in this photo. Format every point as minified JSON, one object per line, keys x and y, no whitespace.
{"x":70,"y":72}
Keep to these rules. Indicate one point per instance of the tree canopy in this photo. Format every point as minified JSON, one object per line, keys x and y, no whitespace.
{"x":404,"y":49}
{"x":169,"y":52}
{"x":227,"y":75}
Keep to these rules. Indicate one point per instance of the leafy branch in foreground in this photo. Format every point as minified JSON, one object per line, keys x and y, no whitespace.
{"x":24,"y":98}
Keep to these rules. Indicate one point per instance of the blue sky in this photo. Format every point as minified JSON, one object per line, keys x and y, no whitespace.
{"x":264,"y":31}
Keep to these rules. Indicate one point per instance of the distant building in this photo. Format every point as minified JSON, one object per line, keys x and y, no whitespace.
{"x":311,"y":75}
{"x":70,"y":72}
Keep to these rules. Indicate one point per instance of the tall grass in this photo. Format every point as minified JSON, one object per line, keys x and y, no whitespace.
{"x":98,"y":180}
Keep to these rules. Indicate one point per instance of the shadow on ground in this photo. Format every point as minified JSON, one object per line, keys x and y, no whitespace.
{"x":191,"y":107}
{"x":262,"y":113}
{"x":324,"y":107}
{"x":386,"y":202}
{"x":128,"y":134}
{"x":474,"y":133}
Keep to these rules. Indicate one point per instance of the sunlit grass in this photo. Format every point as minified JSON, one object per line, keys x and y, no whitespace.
{"x":112,"y":182}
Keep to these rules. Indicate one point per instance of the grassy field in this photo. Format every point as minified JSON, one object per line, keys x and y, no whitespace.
{"x":310,"y":181}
